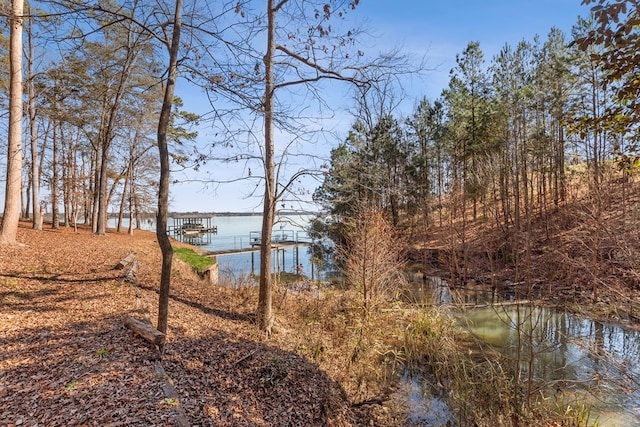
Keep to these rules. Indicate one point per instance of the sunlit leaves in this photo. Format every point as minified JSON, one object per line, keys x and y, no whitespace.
{"x":616,"y":40}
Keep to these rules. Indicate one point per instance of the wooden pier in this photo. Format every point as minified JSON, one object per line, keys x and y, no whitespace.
{"x":256,"y":248}
{"x":281,"y":240}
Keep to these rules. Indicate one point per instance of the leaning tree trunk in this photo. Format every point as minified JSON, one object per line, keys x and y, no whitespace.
{"x":163,"y":192}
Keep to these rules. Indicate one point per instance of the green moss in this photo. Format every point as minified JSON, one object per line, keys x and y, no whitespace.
{"x":196,"y":261}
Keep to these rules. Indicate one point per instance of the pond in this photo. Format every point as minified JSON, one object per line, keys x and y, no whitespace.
{"x":576,"y":358}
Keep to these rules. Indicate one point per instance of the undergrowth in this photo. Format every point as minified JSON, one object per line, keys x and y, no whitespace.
{"x":477,"y":383}
{"x":368,"y":355}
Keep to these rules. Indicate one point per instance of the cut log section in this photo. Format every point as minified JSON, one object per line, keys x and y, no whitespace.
{"x":146,"y":330}
{"x":126,"y":261}
{"x":211,"y":274}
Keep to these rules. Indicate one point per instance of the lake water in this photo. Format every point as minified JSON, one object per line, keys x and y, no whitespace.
{"x":236,"y":232}
{"x":583,"y":358}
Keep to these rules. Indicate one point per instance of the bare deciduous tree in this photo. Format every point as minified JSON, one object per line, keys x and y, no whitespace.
{"x":173,"y":46}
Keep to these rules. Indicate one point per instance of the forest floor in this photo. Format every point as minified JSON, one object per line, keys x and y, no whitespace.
{"x":66,"y":357}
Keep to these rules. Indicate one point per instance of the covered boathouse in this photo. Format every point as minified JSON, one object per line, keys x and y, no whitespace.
{"x":192,"y":221}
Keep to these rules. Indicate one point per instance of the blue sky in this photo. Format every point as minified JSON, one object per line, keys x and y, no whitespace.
{"x":443,"y":29}
{"x":437,"y":30}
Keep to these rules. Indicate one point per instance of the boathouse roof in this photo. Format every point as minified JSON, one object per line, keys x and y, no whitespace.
{"x":190,"y":215}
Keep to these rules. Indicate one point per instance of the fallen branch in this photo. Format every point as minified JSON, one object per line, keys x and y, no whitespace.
{"x":245,"y":357}
{"x":171,"y":393}
{"x":378,"y":401}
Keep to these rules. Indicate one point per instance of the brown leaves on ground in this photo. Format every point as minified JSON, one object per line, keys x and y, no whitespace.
{"x":67,"y":359}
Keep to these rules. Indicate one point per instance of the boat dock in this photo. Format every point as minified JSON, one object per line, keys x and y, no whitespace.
{"x":280,"y":240}
{"x":192,"y":224}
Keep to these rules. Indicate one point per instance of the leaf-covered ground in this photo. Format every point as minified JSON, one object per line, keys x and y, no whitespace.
{"x":67,"y":359}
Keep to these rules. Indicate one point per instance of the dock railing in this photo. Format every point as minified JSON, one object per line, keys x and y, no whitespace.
{"x":281,"y":236}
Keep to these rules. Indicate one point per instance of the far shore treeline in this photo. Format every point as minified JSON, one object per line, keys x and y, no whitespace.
{"x":281,"y":213}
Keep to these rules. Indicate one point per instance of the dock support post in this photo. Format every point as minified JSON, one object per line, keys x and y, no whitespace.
{"x":283,"y":257}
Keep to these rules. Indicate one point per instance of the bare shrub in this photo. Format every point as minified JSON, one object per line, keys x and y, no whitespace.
{"x":372,"y":259}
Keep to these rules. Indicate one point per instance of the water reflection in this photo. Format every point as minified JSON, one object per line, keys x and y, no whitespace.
{"x":571,"y":358}
{"x":578,"y":357}
{"x":423,"y":406}
{"x":197,"y":239}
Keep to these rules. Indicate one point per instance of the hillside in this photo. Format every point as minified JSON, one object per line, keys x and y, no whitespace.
{"x":67,"y":358}
{"x":583,"y":255}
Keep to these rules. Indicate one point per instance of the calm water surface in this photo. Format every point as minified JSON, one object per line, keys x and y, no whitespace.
{"x":578,"y":358}
{"x":235,"y":232}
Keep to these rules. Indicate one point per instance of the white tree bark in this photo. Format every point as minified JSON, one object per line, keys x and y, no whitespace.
{"x":11,"y":217}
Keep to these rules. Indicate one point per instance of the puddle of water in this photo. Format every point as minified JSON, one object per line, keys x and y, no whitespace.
{"x":423,"y":407}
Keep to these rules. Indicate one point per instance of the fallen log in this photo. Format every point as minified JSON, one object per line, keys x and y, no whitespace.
{"x":146,"y":330}
{"x":171,"y":393}
{"x":126,"y":261}
{"x":130,"y":275}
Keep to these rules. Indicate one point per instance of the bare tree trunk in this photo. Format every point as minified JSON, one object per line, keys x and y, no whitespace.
{"x":66,"y":145}
{"x":75,"y":192}
{"x":86,"y":187}
{"x":163,"y":192}
{"x":596,"y":132}
{"x":55,"y":222}
{"x":125,"y":187}
{"x":26,"y":194}
{"x":136,"y":205}
{"x":11,"y":216}
{"x":101,"y":226}
{"x":33,"y":134}
{"x":131,"y":199}
{"x":94,"y":190}
{"x":265,"y":309}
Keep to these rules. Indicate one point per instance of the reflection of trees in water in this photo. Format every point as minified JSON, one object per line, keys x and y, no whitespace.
{"x":564,"y":354}
{"x":235,"y":278}
{"x":583,"y":355}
